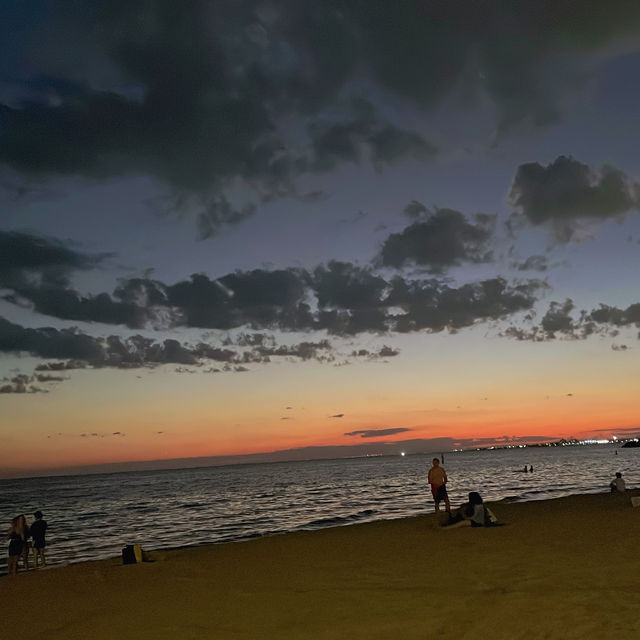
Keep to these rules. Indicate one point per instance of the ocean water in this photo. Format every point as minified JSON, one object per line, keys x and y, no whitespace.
{"x":93,"y":516}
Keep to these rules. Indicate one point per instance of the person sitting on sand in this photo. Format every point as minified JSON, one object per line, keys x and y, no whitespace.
{"x":473,"y":513}
{"x":38,"y":530}
{"x":438,"y":480}
{"x":618,"y":484}
{"x":15,"y":535}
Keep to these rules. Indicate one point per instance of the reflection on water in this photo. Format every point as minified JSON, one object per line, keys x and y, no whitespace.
{"x":93,"y":516}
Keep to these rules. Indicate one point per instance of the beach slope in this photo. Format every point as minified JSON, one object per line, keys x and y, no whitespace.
{"x":564,"y":568}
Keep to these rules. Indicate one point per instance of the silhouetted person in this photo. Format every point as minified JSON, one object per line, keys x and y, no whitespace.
{"x":531,"y":469}
{"x":15,"y":535}
{"x":618,"y":484}
{"x":38,"y":530}
{"x":438,"y":480}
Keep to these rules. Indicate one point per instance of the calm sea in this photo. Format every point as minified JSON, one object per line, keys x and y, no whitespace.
{"x":93,"y":516}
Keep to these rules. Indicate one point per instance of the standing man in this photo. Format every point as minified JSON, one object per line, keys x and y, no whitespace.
{"x":38,"y":529}
{"x":438,"y":481}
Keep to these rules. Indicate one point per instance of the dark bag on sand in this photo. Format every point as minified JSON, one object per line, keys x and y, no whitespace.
{"x":128,"y":556}
{"x":132,"y":554}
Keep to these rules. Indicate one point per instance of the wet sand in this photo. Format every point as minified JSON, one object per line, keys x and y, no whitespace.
{"x":564,"y":568}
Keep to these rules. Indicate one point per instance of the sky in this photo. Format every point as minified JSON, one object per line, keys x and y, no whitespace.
{"x":306,"y":229}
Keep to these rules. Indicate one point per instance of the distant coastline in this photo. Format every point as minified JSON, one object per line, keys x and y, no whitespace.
{"x":402,"y":447}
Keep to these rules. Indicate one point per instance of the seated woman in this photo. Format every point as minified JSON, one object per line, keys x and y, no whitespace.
{"x":472,"y":514}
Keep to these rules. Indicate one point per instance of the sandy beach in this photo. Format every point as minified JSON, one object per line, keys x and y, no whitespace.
{"x":564,"y":568}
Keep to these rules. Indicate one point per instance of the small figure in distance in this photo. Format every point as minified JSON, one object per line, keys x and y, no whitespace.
{"x":438,"y":480}
{"x":618,"y":484}
{"x":531,"y":469}
{"x":15,"y":535}
{"x":38,"y":530}
{"x":525,"y":469}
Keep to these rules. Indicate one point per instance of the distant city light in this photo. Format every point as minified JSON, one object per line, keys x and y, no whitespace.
{"x":572,"y":442}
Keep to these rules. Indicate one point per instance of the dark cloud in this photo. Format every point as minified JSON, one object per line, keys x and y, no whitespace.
{"x":558,"y":321}
{"x":567,"y":191}
{"x":344,"y":285}
{"x":44,"y":377}
{"x":142,"y":292}
{"x":80,"y":350}
{"x":216,"y":211}
{"x":197,"y":96}
{"x":344,"y":322}
{"x":562,"y":320}
{"x":48,"y":342}
{"x":22,"y":251}
{"x":616,"y":317}
{"x":68,"y":304}
{"x":434,"y":306}
{"x":31,"y":262}
{"x":60,"y":366}
{"x":383,"y":352}
{"x":255,"y":340}
{"x":256,"y":298}
{"x":321,"y":351}
{"x":337,"y":415}
{"x":444,"y":239}
{"x":22,"y":383}
{"x":376,"y":433}
{"x":363,"y":137}
{"x":420,"y":50}
{"x":533,"y":263}
{"x":340,"y":298}
{"x":36,"y":271}
{"x":558,"y":318}
{"x":415,"y":209}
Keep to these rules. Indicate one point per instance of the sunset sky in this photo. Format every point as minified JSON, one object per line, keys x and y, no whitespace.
{"x":243,"y":227}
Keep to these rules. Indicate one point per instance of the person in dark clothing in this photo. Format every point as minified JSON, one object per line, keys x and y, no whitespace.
{"x":15,"y":535}
{"x":38,"y":530}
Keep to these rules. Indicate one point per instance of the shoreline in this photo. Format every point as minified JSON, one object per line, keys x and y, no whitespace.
{"x":561,"y":568}
{"x":508,"y":500}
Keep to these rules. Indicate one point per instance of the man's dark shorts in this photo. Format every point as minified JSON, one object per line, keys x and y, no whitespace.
{"x":440,"y":493}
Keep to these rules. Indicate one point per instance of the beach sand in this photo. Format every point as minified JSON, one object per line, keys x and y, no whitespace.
{"x":565,"y":568}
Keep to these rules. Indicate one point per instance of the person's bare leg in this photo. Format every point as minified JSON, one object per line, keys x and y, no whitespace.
{"x":456,"y":525}
{"x":44,"y":561}
{"x":437,"y":507}
{"x":447,"y":504}
{"x":12,"y":565}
